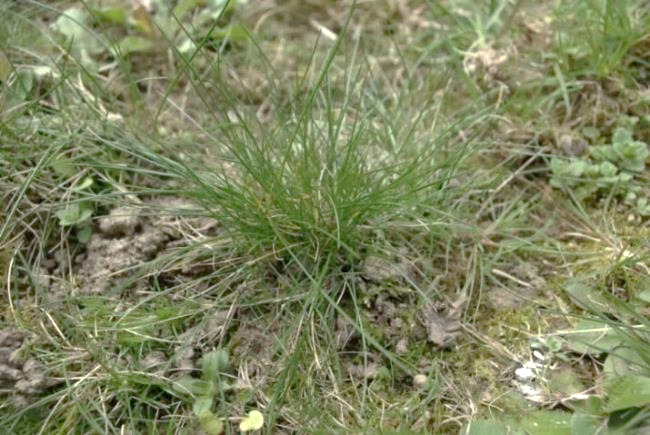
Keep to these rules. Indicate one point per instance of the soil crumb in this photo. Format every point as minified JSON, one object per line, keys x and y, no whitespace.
{"x":18,"y":376}
{"x":125,"y":239}
{"x":117,"y":248}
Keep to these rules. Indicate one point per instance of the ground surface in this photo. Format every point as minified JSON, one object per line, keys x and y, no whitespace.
{"x":325,"y":217}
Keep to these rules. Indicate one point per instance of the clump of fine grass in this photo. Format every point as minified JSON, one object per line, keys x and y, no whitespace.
{"x":311,"y":184}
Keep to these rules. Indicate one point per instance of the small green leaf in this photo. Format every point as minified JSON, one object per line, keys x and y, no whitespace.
{"x":213,"y":364}
{"x":485,"y":427}
{"x":584,"y":424}
{"x":624,"y":177}
{"x":645,"y":296}
{"x":643,"y":207}
{"x":592,"y":405}
{"x":546,"y":423}
{"x":631,"y":154}
{"x":185,"y":6}
{"x":73,"y":214}
{"x":566,"y":172}
{"x":203,"y":406}
{"x":73,"y":25}
{"x":627,"y":392}
{"x":86,"y":183}
{"x":591,"y":133}
{"x":621,"y":136}
{"x":24,"y":84}
{"x":211,"y":425}
{"x":624,"y":360}
{"x":564,"y":382}
{"x":132,"y":44}
{"x":63,"y":167}
{"x":193,"y":386}
{"x":586,"y":296}
{"x":607,"y":169}
{"x":253,"y":421}
{"x":592,"y":337}
{"x":113,"y":15}
{"x":84,"y":234}
{"x":603,"y":153}
{"x":235,"y":32}
{"x":627,"y":122}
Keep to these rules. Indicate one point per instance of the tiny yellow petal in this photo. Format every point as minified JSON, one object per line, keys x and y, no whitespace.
{"x":254,"y":421}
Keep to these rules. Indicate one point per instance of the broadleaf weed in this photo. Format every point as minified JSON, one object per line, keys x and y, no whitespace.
{"x":607,"y":169}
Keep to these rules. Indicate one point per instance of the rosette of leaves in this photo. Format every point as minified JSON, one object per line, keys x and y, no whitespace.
{"x":584,"y":177}
{"x":608,"y":169}
{"x":624,"y":152}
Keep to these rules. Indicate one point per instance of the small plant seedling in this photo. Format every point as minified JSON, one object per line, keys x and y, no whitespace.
{"x":608,"y":168}
{"x":205,"y":389}
{"x":626,"y":153}
{"x":76,"y":214}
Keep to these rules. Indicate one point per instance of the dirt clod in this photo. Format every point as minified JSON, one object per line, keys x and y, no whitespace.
{"x":377,"y":269}
{"x":22,"y":377}
{"x":122,"y":221}
{"x":108,"y":259}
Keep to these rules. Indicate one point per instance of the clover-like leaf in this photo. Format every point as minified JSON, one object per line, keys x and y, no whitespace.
{"x":73,"y":24}
{"x":631,"y":153}
{"x":566,"y":172}
{"x":603,"y":153}
{"x":607,"y":169}
{"x":74,"y":214}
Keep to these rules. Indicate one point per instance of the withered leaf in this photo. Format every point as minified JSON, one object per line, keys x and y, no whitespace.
{"x":442,"y":322}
